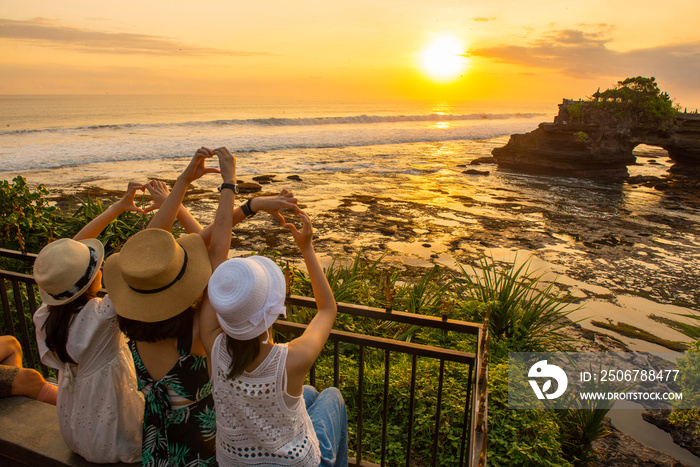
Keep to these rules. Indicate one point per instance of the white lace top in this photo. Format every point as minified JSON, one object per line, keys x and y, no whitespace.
{"x":257,"y":422}
{"x":100,"y":409}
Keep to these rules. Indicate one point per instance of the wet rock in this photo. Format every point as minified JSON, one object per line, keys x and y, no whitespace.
{"x":295,"y":178}
{"x":476,"y":172}
{"x":619,"y":449}
{"x":389,"y":231}
{"x":483,"y":160}
{"x":248,"y":187}
{"x":683,"y":434}
{"x":647,"y":180}
{"x":264,"y":179}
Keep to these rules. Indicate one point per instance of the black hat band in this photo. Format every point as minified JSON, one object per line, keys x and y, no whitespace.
{"x":160,"y":289}
{"x":83,"y":281}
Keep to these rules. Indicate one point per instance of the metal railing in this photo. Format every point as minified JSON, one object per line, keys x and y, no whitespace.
{"x":366,"y":354}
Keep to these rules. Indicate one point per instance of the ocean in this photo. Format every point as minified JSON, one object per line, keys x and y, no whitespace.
{"x":389,"y":178}
{"x":54,"y":131}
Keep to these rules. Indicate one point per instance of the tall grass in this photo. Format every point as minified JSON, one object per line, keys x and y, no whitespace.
{"x":525,"y":315}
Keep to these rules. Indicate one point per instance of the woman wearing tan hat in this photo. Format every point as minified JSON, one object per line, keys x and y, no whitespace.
{"x":99,"y":407}
{"x":265,"y":414}
{"x":155,"y":281}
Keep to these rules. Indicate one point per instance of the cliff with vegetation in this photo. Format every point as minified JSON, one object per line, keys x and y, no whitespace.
{"x":596,"y":137}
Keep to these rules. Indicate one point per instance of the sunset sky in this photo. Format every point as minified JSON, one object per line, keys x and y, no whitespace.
{"x":501,"y":50}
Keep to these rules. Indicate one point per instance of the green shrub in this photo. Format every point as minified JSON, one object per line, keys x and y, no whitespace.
{"x":520,"y":437}
{"x":636,"y":101}
{"x":689,"y":381}
{"x":524,"y":317}
{"x":27,"y":220}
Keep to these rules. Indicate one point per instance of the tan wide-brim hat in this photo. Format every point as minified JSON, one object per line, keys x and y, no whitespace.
{"x":155,"y":277}
{"x":65,"y":268}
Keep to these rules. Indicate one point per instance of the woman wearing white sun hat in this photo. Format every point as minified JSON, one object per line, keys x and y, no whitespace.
{"x":265,"y":414}
{"x":99,"y":407}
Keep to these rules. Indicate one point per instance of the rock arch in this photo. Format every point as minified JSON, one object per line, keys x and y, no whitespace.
{"x":600,"y":148}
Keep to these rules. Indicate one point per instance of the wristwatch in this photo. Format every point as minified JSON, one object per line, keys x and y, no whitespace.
{"x":231,"y":186}
{"x":247,"y":209}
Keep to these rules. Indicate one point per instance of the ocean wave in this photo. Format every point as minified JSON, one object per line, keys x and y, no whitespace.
{"x":281,"y":122}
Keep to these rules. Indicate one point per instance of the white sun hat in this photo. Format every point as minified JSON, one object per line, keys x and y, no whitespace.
{"x":248,"y":295}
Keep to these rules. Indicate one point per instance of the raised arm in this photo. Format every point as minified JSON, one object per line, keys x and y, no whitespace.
{"x":274,"y":204}
{"x":218,"y":248}
{"x":270,"y":204}
{"x":159,"y":192}
{"x":98,"y":224}
{"x":167,"y":213}
{"x":304,"y":350}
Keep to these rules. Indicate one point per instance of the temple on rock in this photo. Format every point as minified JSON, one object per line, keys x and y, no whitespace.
{"x":597,"y":143}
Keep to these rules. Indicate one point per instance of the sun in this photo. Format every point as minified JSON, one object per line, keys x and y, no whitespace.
{"x":443,"y":60}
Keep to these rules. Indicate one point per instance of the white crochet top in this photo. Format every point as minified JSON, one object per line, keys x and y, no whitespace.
{"x":257,"y":422}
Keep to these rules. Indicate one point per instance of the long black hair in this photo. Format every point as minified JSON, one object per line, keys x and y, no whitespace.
{"x":58,"y":323}
{"x":242,"y":354}
{"x":175,"y":327}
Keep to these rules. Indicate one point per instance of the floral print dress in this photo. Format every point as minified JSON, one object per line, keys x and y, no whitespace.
{"x":178,"y":435}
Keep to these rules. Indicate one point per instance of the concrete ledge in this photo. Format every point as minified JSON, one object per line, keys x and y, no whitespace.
{"x":29,"y":436}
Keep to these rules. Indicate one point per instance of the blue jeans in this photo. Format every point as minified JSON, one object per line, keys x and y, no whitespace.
{"x":330,"y":420}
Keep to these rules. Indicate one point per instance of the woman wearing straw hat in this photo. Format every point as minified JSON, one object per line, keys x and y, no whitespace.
{"x":99,"y":407}
{"x":155,"y":282}
{"x":265,"y":416}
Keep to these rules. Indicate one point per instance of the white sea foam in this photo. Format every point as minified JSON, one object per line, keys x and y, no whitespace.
{"x":25,"y":149}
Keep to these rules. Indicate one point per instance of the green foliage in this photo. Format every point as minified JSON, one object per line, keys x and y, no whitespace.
{"x":576,"y":111}
{"x":689,"y":328}
{"x":582,"y":136}
{"x":520,"y":437}
{"x":398,"y":405}
{"x":117,"y":232}
{"x":689,"y":371}
{"x":580,"y":427}
{"x":689,"y":381}
{"x":638,"y":102}
{"x":27,"y":219}
{"x":524,"y":316}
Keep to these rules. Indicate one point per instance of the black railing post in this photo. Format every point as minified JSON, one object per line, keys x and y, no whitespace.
{"x":467,"y":419}
{"x":361,"y":401}
{"x":411,"y":407}
{"x":438,"y":412}
{"x":385,"y":411}
{"x":21,"y":318}
{"x":9,"y":326}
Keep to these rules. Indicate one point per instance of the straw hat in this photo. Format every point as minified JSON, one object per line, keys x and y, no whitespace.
{"x":248,"y":295}
{"x":65,"y":268}
{"x":155,"y":277}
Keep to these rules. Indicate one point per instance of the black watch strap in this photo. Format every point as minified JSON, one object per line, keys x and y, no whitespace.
{"x":231,"y":186}
{"x":247,"y":210}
